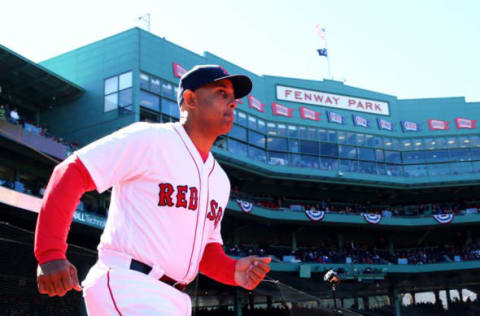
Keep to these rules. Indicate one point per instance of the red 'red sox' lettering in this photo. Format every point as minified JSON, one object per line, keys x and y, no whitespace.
{"x":167,"y":191}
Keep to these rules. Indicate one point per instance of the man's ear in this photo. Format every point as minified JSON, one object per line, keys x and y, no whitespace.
{"x":189,"y":99}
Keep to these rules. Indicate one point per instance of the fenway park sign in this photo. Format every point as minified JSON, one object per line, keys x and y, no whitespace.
{"x":332,"y":100}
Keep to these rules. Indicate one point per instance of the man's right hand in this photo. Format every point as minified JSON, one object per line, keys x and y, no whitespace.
{"x":57,"y":277}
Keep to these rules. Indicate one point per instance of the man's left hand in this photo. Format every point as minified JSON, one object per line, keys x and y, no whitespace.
{"x":251,"y":270}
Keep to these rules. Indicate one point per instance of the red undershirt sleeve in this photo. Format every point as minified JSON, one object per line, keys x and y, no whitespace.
{"x":69,"y":181}
{"x":217,"y":265}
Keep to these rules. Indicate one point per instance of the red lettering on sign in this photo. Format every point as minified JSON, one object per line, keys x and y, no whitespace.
{"x":360,"y":105}
{"x":336,"y":100}
{"x":318,"y":98}
{"x":328,"y":100}
{"x":297,"y":95}
{"x":288,"y":92}
{"x":378,"y":108}
{"x":368,"y":105}
{"x":308,"y":96}
{"x":351,"y":102}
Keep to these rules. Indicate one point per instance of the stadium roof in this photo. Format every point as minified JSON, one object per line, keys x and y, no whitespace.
{"x":27,"y":84}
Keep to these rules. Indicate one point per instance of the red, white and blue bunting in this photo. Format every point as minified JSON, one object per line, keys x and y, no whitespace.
{"x":384,"y":124}
{"x":438,"y":125}
{"x":408,"y":126}
{"x":443,"y":218}
{"x":245,"y":206}
{"x":282,"y":110}
{"x":360,"y":121}
{"x":465,"y":123}
{"x":372,"y":218}
{"x":178,"y":70}
{"x":255,"y":103}
{"x":315,"y":216}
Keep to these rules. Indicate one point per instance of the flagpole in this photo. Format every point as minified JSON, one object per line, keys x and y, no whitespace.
{"x":328,"y":59}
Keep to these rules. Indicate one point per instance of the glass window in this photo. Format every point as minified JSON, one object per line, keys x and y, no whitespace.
{"x":369,"y":140}
{"x":342,"y":137}
{"x":381,"y":169}
{"x":125,"y":97}
{"x":312,"y":133}
{"x":144,"y":78}
{"x":296,"y":161}
{"x":407,"y":144}
{"x":307,"y":161}
{"x":111,"y":102}
{"x":332,"y":136}
{"x":366,"y":153}
{"x":167,"y":90}
{"x":237,"y":148}
{"x":155,"y":85}
{"x":441,"y":142}
{"x":256,"y":139}
{"x":323,"y":135}
{"x":464,"y":141}
{"x":328,"y":163}
{"x":393,"y":170}
{"x":410,"y":157}
{"x":257,"y":154}
{"x":125,"y":80}
{"x":366,"y":167}
{"x":348,"y":165}
{"x":461,"y":167}
{"x":417,"y":143}
{"x":360,"y":139}
{"x":302,"y":132}
{"x":437,"y":156}
{"x":272,"y":128}
{"x":282,"y":130}
{"x":252,"y":122}
{"x":475,"y":141}
{"x":149,"y":101}
{"x":439,"y":169}
{"x":170,"y":108}
{"x":292,"y":131}
{"x":351,"y":138}
{"x":379,"y":155}
{"x":277,"y":143}
{"x":346,"y":151}
{"x":293,"y":145}
{"x":242,"y":119}
{"x":460,"y":154}
{"x":429,"y":143}
{"x":387,"y":143}
{"x":261,"y":126}
{"x":476,"y":166}
{"x":221,"y":142}
{"x":378,"y":141}
{"x":327,"y":149}
{"x":309,"y":147}
{"x":415,"y":171}
{"x":277,"y":159}
{"x":452,"y":142}
{"x":238,"y":132}
{"x":393,"y":157}
{"x":396,"y":143}
{"x":475,"y":153}
{"x":111,"y":85}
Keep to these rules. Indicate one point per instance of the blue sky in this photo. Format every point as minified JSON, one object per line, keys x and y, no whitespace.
{"x":409,"y":49}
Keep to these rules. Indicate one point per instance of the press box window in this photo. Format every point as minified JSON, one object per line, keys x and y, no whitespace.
{"x":118,"y":92}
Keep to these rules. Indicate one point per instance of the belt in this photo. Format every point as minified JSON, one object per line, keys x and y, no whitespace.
{"x":145,"y":268}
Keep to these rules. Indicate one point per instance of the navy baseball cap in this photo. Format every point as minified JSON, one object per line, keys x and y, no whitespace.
{"x":200,"y":75}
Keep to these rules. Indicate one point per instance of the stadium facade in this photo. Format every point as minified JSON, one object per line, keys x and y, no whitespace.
{"x":298,"y":151}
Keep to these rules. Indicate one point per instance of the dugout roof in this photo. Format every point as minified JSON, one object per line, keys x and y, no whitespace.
{"x":32,"y":86}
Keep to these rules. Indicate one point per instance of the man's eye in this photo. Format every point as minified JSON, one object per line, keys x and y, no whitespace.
{"x":223,"y":93}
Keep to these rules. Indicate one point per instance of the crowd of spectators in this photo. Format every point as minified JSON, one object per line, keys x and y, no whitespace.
{"x":281,"y":204}
{"x":362,"y":254}
{"x":10,"y":114}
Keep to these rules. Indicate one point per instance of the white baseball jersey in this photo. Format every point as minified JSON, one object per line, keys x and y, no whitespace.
{"x":166,"y":203}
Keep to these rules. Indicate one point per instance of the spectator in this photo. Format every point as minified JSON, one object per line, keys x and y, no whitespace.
{"x":14,"y":116}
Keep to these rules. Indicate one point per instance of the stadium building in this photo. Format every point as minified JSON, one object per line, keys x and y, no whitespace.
{"x":324,"y":176}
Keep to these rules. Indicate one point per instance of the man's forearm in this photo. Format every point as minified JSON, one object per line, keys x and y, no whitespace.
{"x":217,"y":265}
{"x":69,"y":181}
